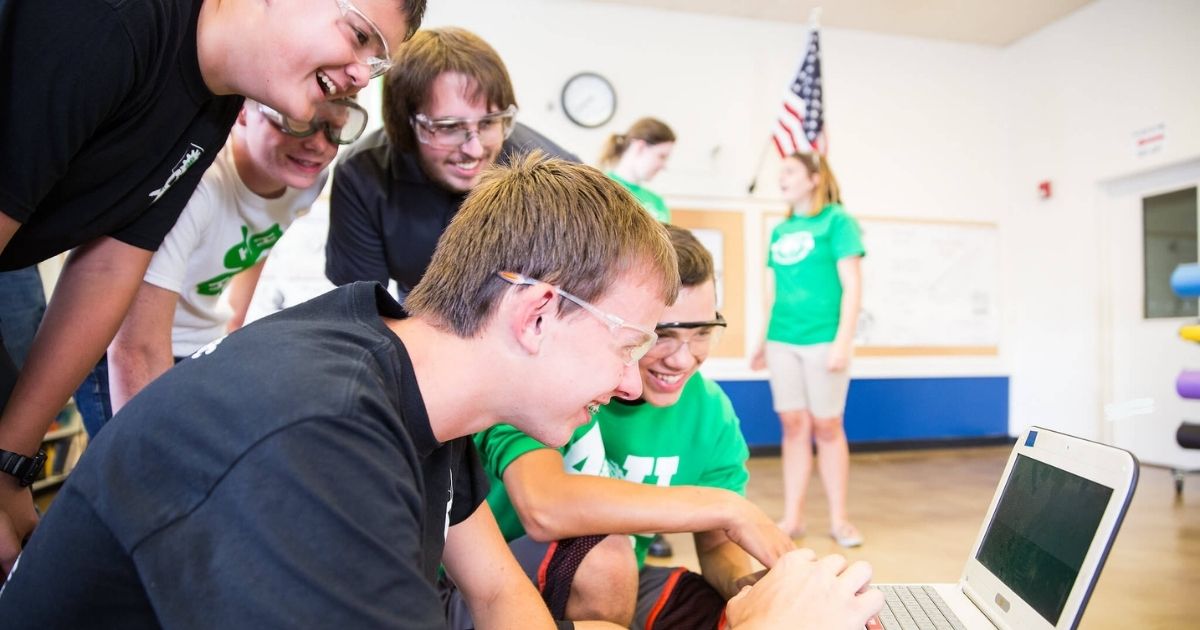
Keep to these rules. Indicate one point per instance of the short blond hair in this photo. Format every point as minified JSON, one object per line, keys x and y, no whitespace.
{"x":556,"y":221}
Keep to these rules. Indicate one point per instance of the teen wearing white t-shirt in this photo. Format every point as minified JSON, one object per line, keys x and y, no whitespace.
{"x":269,"y":173}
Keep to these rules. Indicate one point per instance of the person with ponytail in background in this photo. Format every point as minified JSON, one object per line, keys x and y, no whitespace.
{"x":815,"y":254}
{"x":633,"y":158}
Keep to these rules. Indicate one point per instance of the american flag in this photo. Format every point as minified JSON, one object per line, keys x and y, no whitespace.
{"x":800,"y":127}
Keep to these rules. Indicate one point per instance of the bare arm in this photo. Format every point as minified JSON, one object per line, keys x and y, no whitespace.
{"x":8,"y":227}
{"x":241,"y":291}
{"x":722,"y":563}
{"x":758,"y":360}
{"x":553,"y":504}
{"x":850,"y":274}
{"x":91,"y":297}
{"x":492,"y":583}
{"x":141,"y":351}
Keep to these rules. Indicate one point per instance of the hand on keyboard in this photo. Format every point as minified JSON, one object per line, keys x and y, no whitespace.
{"x":804,"y":592}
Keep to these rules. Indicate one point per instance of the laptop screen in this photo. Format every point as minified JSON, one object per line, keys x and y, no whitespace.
{"x":1042,"y":528}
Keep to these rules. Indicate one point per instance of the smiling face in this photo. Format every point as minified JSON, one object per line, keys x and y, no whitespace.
{"x":663,"y":378}
{"x":322,"y":51}
{"x":581,"y":363}
{"x":276,"y":159}
{"x":457,"y":169}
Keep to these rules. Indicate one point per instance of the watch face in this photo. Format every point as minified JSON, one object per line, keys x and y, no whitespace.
{"x":589,"y":100}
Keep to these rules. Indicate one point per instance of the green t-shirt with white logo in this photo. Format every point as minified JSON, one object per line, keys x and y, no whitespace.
{"x":803,"y":253}
{"x":650,"y":200}
{"x":697,"y":441}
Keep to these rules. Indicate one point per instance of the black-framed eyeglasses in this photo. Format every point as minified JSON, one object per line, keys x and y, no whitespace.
{"x":342,"y":120}
{"x":451,"y":133}
{"x":700,"y":342}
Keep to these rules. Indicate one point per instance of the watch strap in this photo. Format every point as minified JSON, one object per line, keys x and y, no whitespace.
{"x":24,"y":468}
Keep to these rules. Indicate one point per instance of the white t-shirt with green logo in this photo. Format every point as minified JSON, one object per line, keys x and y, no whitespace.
{"x":804,"y":253}
{"x":224,"y":230}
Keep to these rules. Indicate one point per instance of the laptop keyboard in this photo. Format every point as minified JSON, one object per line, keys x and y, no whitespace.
{"x":915,"y":607}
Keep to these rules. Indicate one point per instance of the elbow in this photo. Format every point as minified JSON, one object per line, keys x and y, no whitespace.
{"x":540,"y":526}
{"x":542,"y":522}
{"x":127,"y":352}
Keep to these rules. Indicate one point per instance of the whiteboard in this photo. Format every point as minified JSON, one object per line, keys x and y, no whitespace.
{"x":930,"y":285}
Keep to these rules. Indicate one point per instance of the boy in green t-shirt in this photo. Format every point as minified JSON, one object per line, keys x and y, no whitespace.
{"x":680,"y":444}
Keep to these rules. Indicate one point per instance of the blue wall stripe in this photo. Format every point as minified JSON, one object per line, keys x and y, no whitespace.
{"x":891,"y":409}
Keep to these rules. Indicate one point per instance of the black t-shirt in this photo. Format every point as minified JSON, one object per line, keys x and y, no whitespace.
{"x":288,"y":478}
{"x":386,"y":214}
{"x":106,"y":124}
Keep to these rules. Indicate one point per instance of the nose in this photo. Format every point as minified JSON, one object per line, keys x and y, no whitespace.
{"x":473,"y":147}
{"x":319,"y":142}
{"x":682,"y":358}
{"x":630,"y":386}
{"x":359,"y":74}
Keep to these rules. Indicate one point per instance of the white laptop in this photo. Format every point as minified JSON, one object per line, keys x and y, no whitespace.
{"x":1046,"y":535}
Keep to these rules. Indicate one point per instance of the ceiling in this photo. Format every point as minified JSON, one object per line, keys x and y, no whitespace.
{"x":988,"y":22}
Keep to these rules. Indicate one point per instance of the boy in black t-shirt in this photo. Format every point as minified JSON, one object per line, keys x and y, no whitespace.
{"x":308,"y":469}
{"x":112,"y":113}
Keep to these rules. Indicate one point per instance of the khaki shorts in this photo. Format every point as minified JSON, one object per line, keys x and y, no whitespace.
{"x":800,"y":379}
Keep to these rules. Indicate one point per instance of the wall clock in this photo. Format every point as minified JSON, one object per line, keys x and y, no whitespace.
{"x":589,"y":100}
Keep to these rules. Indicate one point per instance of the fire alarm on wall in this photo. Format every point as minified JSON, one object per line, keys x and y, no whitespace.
{"x":1044,"y":189}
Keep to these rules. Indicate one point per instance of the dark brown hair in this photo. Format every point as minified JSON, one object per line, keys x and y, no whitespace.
{"x":425,"y":57}
{"x":649,"y":130}
{"x":695,"y":262}
{"x":414,"y":12}
{"x":548,"y":219}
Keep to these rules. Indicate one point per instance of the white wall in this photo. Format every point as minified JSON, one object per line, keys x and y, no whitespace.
{"x":1083,"y":86}
{"x":918,"y":128}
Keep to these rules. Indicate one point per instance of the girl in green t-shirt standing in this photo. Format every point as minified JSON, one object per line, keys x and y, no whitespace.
{"x":633,"y":158}
{"x":815,"y":254}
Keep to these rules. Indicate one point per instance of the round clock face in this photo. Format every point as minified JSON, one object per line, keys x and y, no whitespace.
{"x":589,"y":100}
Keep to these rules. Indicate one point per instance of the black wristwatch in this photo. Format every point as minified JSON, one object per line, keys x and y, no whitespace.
{"x":25,"y":469}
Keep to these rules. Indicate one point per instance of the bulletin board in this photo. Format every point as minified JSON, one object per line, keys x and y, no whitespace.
{"x":929,"y":287}
{"x":722,"y":233}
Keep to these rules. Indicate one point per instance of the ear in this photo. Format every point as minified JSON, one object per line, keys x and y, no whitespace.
{"x":525,"y":314}
{"x":241,"y":119}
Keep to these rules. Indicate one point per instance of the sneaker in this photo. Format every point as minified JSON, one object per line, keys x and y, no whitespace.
{"x":659,"y":547}
{"x":847,"y":535}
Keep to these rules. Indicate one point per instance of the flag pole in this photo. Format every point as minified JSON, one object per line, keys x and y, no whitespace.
{"x":762,"y":157}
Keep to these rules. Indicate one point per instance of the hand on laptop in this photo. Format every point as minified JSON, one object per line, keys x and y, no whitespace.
{"x":804,"y":592}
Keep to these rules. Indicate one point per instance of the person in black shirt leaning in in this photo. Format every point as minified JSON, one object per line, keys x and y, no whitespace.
{"x":448,"y":112}
{"x":112,"y":111}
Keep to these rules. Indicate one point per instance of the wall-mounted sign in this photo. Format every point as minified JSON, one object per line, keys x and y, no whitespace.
{"x":1149,"y":140}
